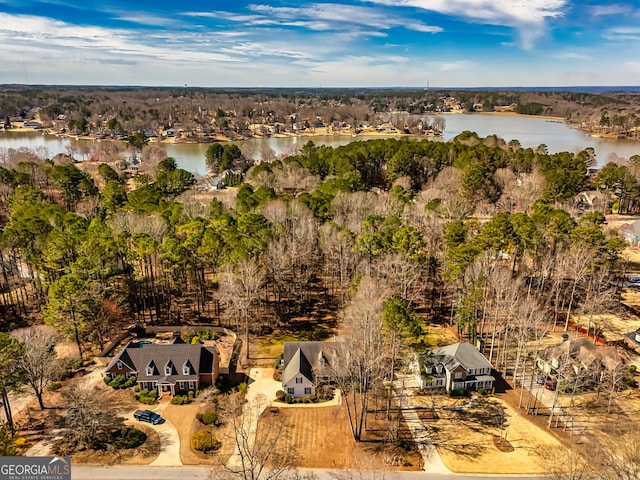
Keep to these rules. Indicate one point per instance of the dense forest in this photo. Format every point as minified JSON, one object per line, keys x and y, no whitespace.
{"x":201,"y":114}
{"x":476,"y":233}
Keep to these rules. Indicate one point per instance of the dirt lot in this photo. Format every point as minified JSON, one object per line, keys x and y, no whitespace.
{"x":613,"y":326}
{"x":321,"y":438}
{"x":469,"y":440}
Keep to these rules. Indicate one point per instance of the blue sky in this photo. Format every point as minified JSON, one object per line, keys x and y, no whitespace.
{"x":448,"y":43}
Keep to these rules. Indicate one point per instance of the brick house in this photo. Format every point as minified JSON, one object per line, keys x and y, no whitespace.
{"x":173,"y":368}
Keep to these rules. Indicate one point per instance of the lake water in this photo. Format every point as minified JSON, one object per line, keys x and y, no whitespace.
{"x":530,"y":131}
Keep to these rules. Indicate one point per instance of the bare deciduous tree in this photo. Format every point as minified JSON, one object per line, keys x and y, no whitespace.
{"x":38,"y":360}
{"x":88,"y":418}
{"x":240,"y":291}
{"x":361,"y":362}
{"x":258,"y":453}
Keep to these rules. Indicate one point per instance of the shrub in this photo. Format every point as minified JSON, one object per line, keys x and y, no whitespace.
{"x":207,"y":335}
{"x":190,"y":394}
{"x":130,"y":438}
{"x":288,"y":398}
{"x":460,"y":392}
{"x":55,"y":386}
{"x":280,"y":395}
{"x":483,"y":391}
{"x":106,"y":380}
{"x":312,"y":398}
{"x":136,"y":388}
{"x":403,"y":444}
{"x":117,"y":382}
{"x":147,"y":397}
{"x":129,"y":383}
{"x":242,"y":388}
{"x":633,"y":369}
{"x":180,"y":400}
{"x":210,"y":417}
{"x":203,"y":441}
{"x":195,"y":340}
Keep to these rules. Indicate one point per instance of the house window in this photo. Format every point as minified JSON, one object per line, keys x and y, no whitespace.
{"x":458,"y":375}
{"x":149,"y":371}
{"x":155,"y":385}
{"x":298,"y":379}
{"x":185,"y":370}
{"x":307,"y":390}
{"x":291,"y":391}
{"x":191,"y":387}
{"x":181,"y":385}
{"x":119,"y":365}
{"x":167,"y":370}
{"x":127,"y":375}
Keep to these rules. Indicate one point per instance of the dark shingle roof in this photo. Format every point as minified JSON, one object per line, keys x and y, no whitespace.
{"x":199,"y":359}
{"x":306,"y":358}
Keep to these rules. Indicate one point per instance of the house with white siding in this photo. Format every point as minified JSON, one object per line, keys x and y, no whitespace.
{"x":454,"y":367}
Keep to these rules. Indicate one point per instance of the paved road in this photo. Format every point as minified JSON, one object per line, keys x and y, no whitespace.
{"x":202,"y":473}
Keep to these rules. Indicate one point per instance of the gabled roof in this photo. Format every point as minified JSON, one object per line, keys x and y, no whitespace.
{"x":461,"y":353}
{"x":584,"y":351}
{"x":306,"y":358}
{"x":298,"y":365}
{"x":139,"y":355}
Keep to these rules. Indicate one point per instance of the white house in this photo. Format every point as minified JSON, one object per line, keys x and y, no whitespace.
{"x":306,"y":365}
{"x":453,"y":367}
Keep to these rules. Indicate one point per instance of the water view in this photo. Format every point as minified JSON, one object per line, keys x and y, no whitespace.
{"x":530,"y":131}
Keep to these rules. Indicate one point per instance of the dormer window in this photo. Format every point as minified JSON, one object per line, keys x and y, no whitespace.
{"x":167,"y":370}
{"x":185,"y":370}
{"x":149,"y":370}
{"x":119,"y":365}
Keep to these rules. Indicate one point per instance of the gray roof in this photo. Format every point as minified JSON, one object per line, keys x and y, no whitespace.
{"x":307,"y":358}
{"x":461,"y":353}
{"x":632,"y":229}
{"x":138,"y":356}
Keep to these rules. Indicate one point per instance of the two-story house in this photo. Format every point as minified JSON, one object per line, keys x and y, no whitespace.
{"x":453,"y":367}
{"x":306,"y":365}
{"x":174,"y":368}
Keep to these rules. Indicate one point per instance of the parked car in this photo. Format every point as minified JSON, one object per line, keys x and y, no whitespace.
{"x":550,"y":384}
{"x":634,"y":279}
{"x":541,"y":379}
{"x":147,"y":416}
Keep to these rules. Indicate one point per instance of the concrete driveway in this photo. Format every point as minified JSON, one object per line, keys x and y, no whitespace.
{"x":169,"y":439}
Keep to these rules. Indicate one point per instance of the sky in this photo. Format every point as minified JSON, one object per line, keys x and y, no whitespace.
{"x":358,"y":43}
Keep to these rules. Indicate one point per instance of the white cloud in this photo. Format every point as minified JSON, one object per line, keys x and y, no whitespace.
{"x":622,"y":34}
{"x":456,"y":65}
{"x":320,"y":17}
{"x":570,"y":56}
{"x":145,"y":19}
{"x":528,"y":16}
{"x":610,"y":9}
